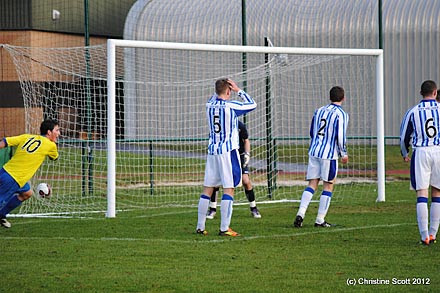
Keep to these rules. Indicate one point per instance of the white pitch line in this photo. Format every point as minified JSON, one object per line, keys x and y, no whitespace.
{"x":205,"y":238}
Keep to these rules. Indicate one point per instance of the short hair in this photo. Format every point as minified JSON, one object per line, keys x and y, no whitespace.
{"x":221,"y":86}
{"x":337,"y":94}
{"x":427,"y":88}
{"x":46,"y":125}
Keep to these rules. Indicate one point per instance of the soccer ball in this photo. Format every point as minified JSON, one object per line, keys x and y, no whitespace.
{"x":43,"y":190}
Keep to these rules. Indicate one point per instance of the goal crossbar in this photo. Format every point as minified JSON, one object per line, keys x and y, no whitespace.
{"x":112,"y":44}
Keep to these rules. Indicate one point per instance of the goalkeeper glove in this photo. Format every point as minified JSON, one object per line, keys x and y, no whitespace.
{"x":246,"y":159}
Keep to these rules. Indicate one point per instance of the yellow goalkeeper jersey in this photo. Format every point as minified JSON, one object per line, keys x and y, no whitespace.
{"x":31,"y":150}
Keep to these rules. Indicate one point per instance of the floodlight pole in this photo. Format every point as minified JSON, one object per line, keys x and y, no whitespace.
{"x":244,"y":43}
{"x":380,"y":25}
{"x":87,"y":151}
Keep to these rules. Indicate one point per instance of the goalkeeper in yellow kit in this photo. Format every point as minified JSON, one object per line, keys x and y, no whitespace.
{"x":31,"y":150}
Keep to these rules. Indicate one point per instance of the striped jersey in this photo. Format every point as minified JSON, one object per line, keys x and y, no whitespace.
{"x":222,"y":118}
{"x":29,"y":155}
{"x":420,"y":126}
{"x":328,"y":132}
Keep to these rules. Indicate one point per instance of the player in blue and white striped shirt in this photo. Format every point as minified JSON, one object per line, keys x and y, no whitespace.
{"x":328,"y":134}
{"x":420,"y":128}
{"x":223,"y":160}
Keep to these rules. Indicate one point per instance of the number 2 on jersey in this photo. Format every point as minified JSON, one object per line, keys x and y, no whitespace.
{"x":323,"y":123}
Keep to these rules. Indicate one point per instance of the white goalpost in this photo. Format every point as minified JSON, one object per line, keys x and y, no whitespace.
{"x":111,"y":77}
{"x":133,"y":129}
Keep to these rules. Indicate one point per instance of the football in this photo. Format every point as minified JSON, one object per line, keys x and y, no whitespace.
{"x":43,"y":190}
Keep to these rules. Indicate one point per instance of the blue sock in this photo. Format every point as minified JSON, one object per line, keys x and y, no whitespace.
{"x":13,"y":203}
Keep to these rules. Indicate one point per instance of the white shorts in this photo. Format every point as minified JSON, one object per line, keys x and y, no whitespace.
{"x":425,"y":168}
{"x":326,"y":170}
{"x":223,"y":170}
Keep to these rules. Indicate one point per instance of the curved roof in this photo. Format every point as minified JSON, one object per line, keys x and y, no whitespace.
{"x":411,"y":33}
{"x":321,"y":23}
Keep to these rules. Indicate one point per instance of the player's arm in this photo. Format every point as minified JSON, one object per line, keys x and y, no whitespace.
{"x":248,"y":103}
{"x":342,"y":137}
{"x":247,"y":145}
{"x":54,"y":158}
{"x":247,"y":152}
{"x":53,"y":154}
{"x":406,"y":130}
{"x":241,"y":108}
{"x":312,"y":126}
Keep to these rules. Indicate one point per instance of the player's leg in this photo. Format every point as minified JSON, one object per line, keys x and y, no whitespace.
{"x":22,"y":195}
{"x":313,"y":175}
{"x":324,"y":204}
{"x":231,"y":177}
{"x":213,"y":205}
{"x":250,"y":195}
{"x":12,"y":196}
{"x":434,"y":214}
{"x":212,"y":178}
{"x":14,"y":202}
{"x":329,"y":169}
{"x":202,"y":209}
{"x":5,"y":199}
{"x":422,"y":215}
{"x":420,"y":175}
{"x":306,"y":198}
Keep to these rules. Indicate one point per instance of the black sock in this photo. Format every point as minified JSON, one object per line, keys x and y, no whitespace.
{"x":250,"y":195}
{"x":214,"y":194}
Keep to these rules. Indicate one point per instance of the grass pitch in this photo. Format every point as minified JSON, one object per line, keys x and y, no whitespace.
{"x":372,"y":247}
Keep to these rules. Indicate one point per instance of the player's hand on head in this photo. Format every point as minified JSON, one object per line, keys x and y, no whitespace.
{"x":233,"y":85}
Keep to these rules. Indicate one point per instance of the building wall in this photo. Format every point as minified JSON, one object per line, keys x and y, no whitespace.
{"x":29,"y":23}
{"x":106,"y":17}
{"x":11,"y":97}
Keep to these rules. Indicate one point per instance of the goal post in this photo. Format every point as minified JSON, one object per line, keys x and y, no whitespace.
{"x":113,"y":44}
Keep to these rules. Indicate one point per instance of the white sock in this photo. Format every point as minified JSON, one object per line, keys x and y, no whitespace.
{"x":435,"y":217}
{"x":324,"y":204}
{"x":226,"y":212}
{"x":305,"y":201}
{"x":422,"y":216}
{"x":202,"y":211}
{"x":252,"y":204}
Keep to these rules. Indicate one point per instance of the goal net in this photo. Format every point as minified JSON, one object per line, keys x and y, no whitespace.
{"x":134,"y":131}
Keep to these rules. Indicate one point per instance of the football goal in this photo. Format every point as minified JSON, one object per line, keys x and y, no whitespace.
{"x":134,"y":131}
